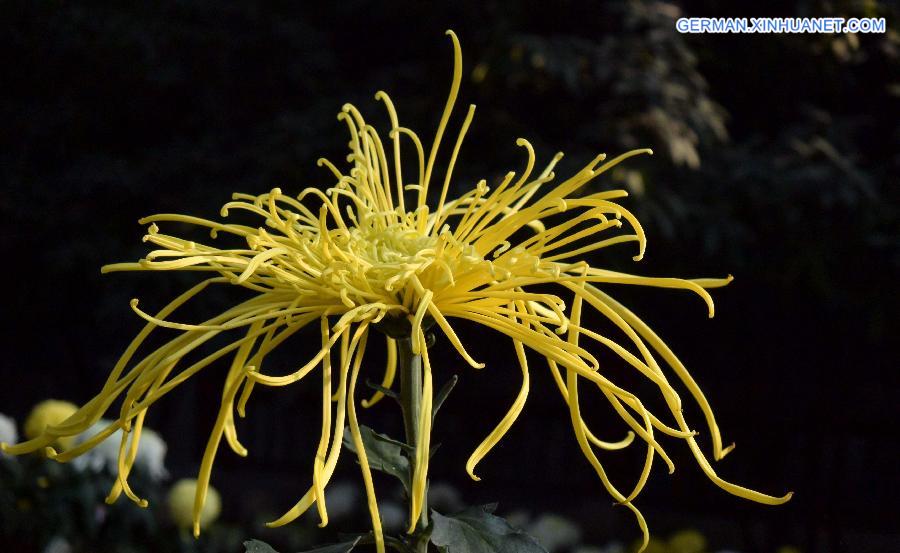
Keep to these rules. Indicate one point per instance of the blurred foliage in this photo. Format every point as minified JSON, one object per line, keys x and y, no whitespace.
{"x":646,"y":74}
{"x":809,"y":171}
{"x":47,"y":506}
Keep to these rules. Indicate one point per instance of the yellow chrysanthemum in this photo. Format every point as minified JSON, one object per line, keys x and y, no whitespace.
{"x":372,"y":249}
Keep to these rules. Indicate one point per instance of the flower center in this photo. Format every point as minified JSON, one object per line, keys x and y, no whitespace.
{"x":401,"y":247}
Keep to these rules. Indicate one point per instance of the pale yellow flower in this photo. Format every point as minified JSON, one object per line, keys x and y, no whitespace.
{"x":48,"y":413}
{"x":653,"y":545}
{"x":383,"y":244}
{"x":687,"y":541}
{"x":181,"y":504}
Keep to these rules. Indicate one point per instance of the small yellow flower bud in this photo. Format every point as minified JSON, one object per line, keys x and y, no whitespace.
{"x":47,"y":413}
{"x":181,"y":504}
{"x":687,"y":541}
{"x":653,"y":546}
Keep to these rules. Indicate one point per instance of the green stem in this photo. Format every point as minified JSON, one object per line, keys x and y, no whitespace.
{"x":410,"y":367}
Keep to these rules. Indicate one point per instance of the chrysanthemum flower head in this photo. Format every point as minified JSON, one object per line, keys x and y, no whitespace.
{"x":391,"y":248}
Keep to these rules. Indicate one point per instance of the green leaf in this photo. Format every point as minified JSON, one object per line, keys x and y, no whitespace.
{"x":386,"y":391}
{"x":405,"y":448}
{"x":256,"y":546}
{"x":384,"y":454}
{"x":442,"y":396}
{"x":476,"y":530}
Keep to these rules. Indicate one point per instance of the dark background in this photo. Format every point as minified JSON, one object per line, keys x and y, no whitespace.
{"x":776,"y":161}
